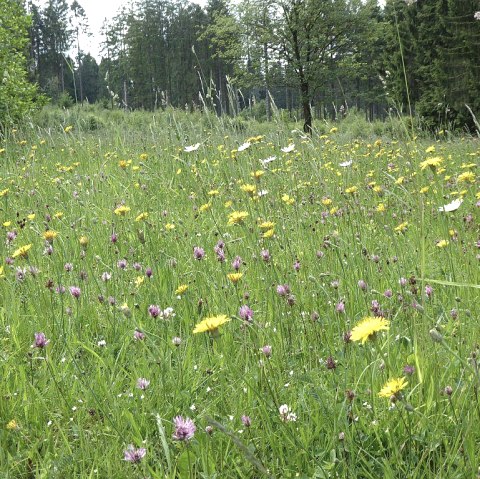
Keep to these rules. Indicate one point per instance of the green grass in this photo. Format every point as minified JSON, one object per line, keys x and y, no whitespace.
{"x":71,"y":409}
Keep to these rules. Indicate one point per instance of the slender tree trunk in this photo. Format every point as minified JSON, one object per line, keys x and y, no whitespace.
{"x":267,"y":93}
{"x":307,"y":111}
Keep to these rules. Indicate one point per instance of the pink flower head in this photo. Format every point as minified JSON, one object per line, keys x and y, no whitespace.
{"x":40,"y":341}
{"x":134,"y":455}
{"x":184,"y":429}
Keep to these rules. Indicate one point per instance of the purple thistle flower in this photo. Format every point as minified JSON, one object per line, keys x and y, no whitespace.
{"x":403,"y":282}
{"x":340,"y":307}
{"x":113,"y":238}
{"x":296,"y":265}
{"x":148,"y":272}
{"x":198,"y":253}
{"x":40,"y":341}
{"x":362,"y":285}
{"x":134,"y":455}
{"x":184,"y":429}
{"x":154,"y":311}
{"x":265,"y":254}
{"x":246,"y":313}
{"x":409,"y":370}
{"x":267,"y":350}
{"x":236,"y":263}
{"x":283,"y":289}
{"x":122,"y":263}
{"x":75,"y":291}
{"x":246,"y":421}
{"x":388,"y":293}
{"x":428,"y":290}
{"x":143,"y":383}
{"x":220,"y":254}
{"x":68,"y":267}
{"x":137,"y":266}
{"x":11,"y":235}
{"x":138,"y":335}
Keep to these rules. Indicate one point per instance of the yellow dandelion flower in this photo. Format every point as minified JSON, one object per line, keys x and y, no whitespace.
{"x":334,"y":129}
{"x":139,"y":280}
{"x":58,"y":215}
{"x":169,"y":226}
{"x":393,"y":387}
{"x":4,"y":193}
{"x":143,"y":156}
{"x":205,"y":207}
{"x":123,"y":164}
{"x":49,"y":235}
{"x":22,"y":252}
{"x":266,"y":225}
{"x":424,"y":189}
{"x":351,"y":190}
{"x":68,"y":129}
{"x":1,"y":272}
{"x":380,"y":208}
{"x":234,"y":277}
{"x":12,"y":425}
{"x":211,"y":324}
{"x":287,"y":199}
{"x":228,"y":203}
{"x":431,"y":163}
{"x":467,"y":177}
{"x":122,"y":210}
{"x":31,"y":216}
{"x":250,"y":189}
{"x":442,"y":243}
{"x":430,"y":149}
{"x":237,"y":217}
{"x":181,"y":289}
{"x":400,"y":180}
{"x":402,"y":227}
{"x":257,"y":174}
{"x":269,"y":233}
{"x":368,"y":327}
{"x":213,"y":193}
{"x":142,"y":216}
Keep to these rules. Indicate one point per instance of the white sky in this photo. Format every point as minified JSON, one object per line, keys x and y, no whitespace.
{"x":99,"y":10}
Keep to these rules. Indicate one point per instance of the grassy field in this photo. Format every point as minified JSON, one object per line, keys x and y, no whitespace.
{"x":184,"y":297}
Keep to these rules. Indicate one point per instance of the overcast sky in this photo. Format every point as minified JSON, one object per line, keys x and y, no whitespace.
{"x":99,"y":10}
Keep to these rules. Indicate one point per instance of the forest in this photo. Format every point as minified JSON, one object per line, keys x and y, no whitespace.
{"x":310,"y":58}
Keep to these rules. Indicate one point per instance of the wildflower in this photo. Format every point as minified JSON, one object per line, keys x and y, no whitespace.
{"x":467,"y":177}
{"x":286,"y":415}
{"x":368,"y":327}
{"x":75,"y":291}
{"x":296,"y":265}
{"x":393,"y":388}
{"x":236,"y":263}
{"x":409,"y":370}
{"x":142,"y":216}
{"x":205,"y":207}
{"x":288,"y":149}
{"x":184,"y":429}
{"x":176,"y":341}
{"x":362,"y":285}
{"x":268,"y":234}
{"x":340,"y":307}
{"x":244,"y":146}
{"x":169,"y":226}
{"x":134,"y":455}
{"x":234,"y":277}
{"x":283,"y":289}
{"x":431,"y":163}
{"x":246,"y":313}
{"x":442,"y":243}
{"x":191,"y":148}
{"x":246,"y":421}
{"x":288,"y":199}
{"x":454,"y":205}
{"x":22,"y":252}
{"x":346,"y":164}
{"x":237,"y":217}
{"x":83,"y":241}
{"x":351,"y":190}
{"x":428,"y":290}
{"x":211,"y":324}
{"x":402,"y":227}
{"x":121,"y":210}
{"x":181,"y":289}
{"x":198,"y":253}
{"x":380,"y":208}
{"x":250,"y":189}
{"x":143,"y":383}
{"x":68,"y":129}
{"x":265,"y":254}
{"x":49,"y":235}
{"x":12,"y":425}
{"x":40,"y":341}
{"x":257,"y":174}
{"x":266,"y":350}
{"x":138,"y":335}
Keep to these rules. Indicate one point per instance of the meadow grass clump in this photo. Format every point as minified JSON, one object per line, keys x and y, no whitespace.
{"x":180,"y":301}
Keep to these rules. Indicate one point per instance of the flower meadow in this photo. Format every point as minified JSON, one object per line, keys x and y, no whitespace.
{"x":182,"y":301}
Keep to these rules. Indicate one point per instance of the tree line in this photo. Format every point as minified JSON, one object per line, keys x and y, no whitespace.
{"x":312,"y":58}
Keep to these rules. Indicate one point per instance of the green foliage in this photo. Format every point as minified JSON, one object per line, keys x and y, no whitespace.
{"x":18,"y":97}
